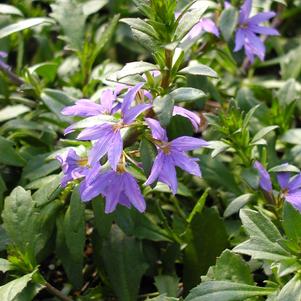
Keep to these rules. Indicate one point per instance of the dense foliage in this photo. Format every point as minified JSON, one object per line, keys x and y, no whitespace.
{"x":150,"y":150}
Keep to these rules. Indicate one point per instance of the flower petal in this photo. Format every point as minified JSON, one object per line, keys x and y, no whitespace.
{"x":186,"y":163}
{"x":83,"y":108}
{"x":283,"y":179}
{"x":129,"y":97}
{"x":294,"y":183}
{"x":115,"y":150}
{"x":268,"y":31}
{"x":262,"y":17}
{"x":209,"y":26}
{"x":245,"y":10}
{"x":239,"y":39}
{"x":132,"y":113}
{"x":157,"y":131}
{"x":186,"y":143}
{"x":194,"y":118}
{"x":294,"y":198}
{"x":99,"y":149}
{"x":156,"y":168}
{"x":96,"y":132}
{"x":168,"y":174}
{"x":265,"y":179}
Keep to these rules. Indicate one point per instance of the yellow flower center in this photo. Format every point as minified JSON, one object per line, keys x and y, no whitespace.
{"x":82,"y":161}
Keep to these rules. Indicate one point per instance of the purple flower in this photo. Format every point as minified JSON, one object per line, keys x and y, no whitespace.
{"x":88,"y":108}
{"x":107,"y":136}
{"x":265,"y":180}
{"x":291,"y":188}
{"x":248,"y":28}
{"x":3,"y":55}
{"x":118,"y":187}
{"x":194,"y":118}
{"x":172,"y":154}
{"x":205,"y":24}
{"x":73,"y":166}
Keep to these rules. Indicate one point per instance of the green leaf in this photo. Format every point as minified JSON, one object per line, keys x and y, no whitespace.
{"x":92,"y":6}
{"x":148,"y":153}
{"x":292,"y":136}
{"x":10,"y":291}
{"x":10,"y":112}
{"x":24,"y":24}
{"x":284,"y":168}
{"x":102,"y":221}
{"x":288,"y":92}
{"x":10,"y":10}
{"x":29,"y":292}
{"x":124,"y":263}
{"x":72,"y":268}
{"x":292,"y":222}
{"x":226,"y":291}
{"x":163,"y":107}
{"x":237,"y":204}
{"x":135,"y":68}
{"x":74,"y":227}
{"x":8,"y":154}
{"x":19,"y":217}
{"x":263,"y":132}
{"x":198,"y":207}
{"x":70,"y":15}
{"x":46,"y":70}
{"x":5,"y":265}
{"x":231,"y":267}
{"x":291,"y":291}
{"x":198,"y":69}
{"x":228,"y":22}
{"x":189,"y":19}
{"x":186,"y":94}
{"x":207,"y":240}
{"x":167,"y":284}
{"x":264,"y":237}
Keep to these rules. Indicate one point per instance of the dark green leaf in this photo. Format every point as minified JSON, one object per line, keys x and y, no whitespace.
{"x":148,"y":153}
{"x":8,"y":154}
{"x":228,"y":22}
{"x":163,"y":107}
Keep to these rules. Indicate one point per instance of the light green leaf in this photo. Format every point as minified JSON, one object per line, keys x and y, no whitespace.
{"x":24,"y":24}
{"x":291,"y":291}
{"x":263,"y":132}
{"x":10,"y":112}
{"x":292,"y":222}
{"x":9,"y":291}
{"x":228,"y":22}
{"x":5,"y":265}
{"x":199,"y":69}
{"x":135,"y":68}
{"x":7,"y":9}
{"x":167,"y":284}
{"x":46,"y":70}
{"x":237,"y":204}
{"x":92,"y":6}
{"x":163,"y":107}
{"x":226,"y":291}
{"x":186,"y":94}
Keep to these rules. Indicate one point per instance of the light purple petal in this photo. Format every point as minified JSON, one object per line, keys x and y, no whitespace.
{"x":129,"y":97}
{"x":209,"y":26}
{"x":262,"y":17}
{"x":195,"y":31}
{"x":96,"y":132}
{"x":115,"y":150}
{"x":245,"y":10}
{"x":83,"y":108}
{"x":156,"y":168}
{"x":157,"y":131}
{"x":134,"y":112}
{"x":133,"y":192}
{"x":294,"y":198}
{"x":168,"y":174}
{"x":194,"y":118}
{"x":113,"y":194}
{"x":265,"y":179}
{"x":294,"y":183}
{"x":89,"y":191}
{"x":107,"y":99}
{"x":239,"y":39}
{"x":255,"y":44}
{"x":99,"y":149}
{"x":283,"y":179}
{"x":268,"y":31}
{"x":186,"y":143}
{"x":186,"y":163}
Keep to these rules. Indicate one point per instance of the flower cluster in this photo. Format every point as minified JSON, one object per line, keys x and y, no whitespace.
{"x":290,"y":186}
{"x":246,"y":33}
{"x":104,"y":170}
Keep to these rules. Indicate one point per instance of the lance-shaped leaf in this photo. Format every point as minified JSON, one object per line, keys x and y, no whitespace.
{"x":291,"y":291}
{"x":136,"y":68}
{"x":199,"y":69}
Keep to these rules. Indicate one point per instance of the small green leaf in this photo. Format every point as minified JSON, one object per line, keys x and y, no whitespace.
{"x":8,"y":154}
{"x":24,"y":24}
{"x":10,"y":112}
{"x":46,"y":70}
{"x":135,"y":68}
{"x":291,"y":291}
{"x":167,"y":284}
{"x":5,"y":265}
{"x":10,"y":10}
{"x":263,"y":132}
{"x":228,"y":22}
{"x":226,"y":291}
{"x":163,"y":107}
{"x":148,"y":153}
{"x":10,"y":291}
{"x":237,"y":204}
{"x":186,"y":94}
{"x":292,"y":222}
{"x":92,"y":6}
{"x":199,"y":69}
